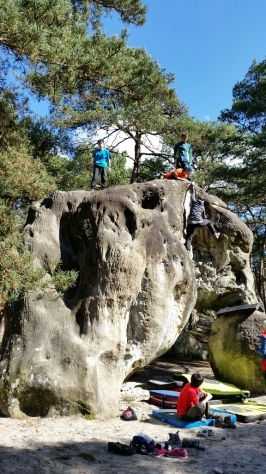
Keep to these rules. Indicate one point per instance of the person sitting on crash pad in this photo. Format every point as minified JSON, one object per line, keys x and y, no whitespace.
{"x":262,"y":348}
{"x":182,"y":173}
{"x":192,"y":403}
{"x":198,"y":218}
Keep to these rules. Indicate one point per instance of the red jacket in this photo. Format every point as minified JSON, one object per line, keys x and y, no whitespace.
{"x":188,"y":398}
{"x":177,"y":173}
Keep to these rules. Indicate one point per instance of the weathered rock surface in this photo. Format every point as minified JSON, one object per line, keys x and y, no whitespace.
{"x":135,"y":292}
{"x":229,"y":353}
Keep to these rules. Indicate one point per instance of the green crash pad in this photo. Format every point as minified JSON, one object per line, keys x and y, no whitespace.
{"x":246,"y":412}
{"x":215,"y":387}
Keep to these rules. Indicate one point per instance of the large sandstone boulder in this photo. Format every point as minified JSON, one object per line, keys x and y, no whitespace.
{"x":229,"y":353}
{"x":135,"y":291}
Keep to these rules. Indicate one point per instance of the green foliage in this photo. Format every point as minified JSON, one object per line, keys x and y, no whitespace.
{"x":244,"y":183}
{"x":48,"y":36}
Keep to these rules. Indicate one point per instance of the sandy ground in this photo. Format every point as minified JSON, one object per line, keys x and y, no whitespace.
{"x":75,"y":445}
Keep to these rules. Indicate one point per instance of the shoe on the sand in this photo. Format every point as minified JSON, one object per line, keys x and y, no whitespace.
{"x":229,"y":422}
{"x":177,"y":453}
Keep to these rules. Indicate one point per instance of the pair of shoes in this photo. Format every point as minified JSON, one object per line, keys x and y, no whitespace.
{"x":123,"y":449}
{"x":219,"y":423}
{"x":139,"y":448}
{"x":159,"y":452}
{"x":177,"y":453}
{"x":229,"y":422}
{"x":192,"y":443}
{"x":170,"y":453}
{"x":174,"y":438}
{"x":205,"y":433}
{"x":217,"y":235}
{"x":129,"y":415}
{"x":140,"y":440}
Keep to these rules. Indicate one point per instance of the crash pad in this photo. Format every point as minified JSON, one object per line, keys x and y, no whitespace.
{"x":170,"y":416}
{"x":215,"y":387}
{"x":174,"y":385}
{"x":246,"y":412}
{"x":164,"y":398}
{"x":244,"y":308}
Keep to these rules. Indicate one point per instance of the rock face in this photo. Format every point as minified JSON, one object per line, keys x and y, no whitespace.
{"x":229,"y":353}
{"x":135,"y":292}
{"x":222,"y":266}
{"x":222,"y":269}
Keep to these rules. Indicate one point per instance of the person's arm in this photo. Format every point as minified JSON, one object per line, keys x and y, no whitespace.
{"x":193,"y":193}
{"x":205,"y":397}
{"x":190,"y":154}
{"x":254,"y":348}
{"x":109,"y":160}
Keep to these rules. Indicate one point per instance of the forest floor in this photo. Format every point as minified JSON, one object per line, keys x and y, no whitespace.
{"x":76,"y":445}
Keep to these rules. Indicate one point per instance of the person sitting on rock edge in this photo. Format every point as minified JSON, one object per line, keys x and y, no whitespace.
{"x":180,"y":173}
{"x":192,"y":403}
{"x":262,"y":349}
{"x":198,"y":218}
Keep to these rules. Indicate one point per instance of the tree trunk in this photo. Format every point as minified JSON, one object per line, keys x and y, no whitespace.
{"x":137,"y":158}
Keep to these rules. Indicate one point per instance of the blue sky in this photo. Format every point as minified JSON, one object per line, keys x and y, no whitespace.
{"x":209,"y":45}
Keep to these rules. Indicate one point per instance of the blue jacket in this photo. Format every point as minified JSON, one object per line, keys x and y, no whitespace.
{"x":101,"y":157}
{"x":183,"y":154}
{"x":262,"y":349}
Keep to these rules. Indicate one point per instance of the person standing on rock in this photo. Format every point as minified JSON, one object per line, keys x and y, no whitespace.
{"x":262,"y":349}
{"x":101,"y":161}
{"x":183,"y":153}
{"x":197,"y":218}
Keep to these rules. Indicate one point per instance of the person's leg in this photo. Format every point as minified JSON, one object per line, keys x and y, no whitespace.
{"x":209,"y":224}
{"x":190,"y":231}
{"x":95,"y":176}
{"x":196,"y":412}
{"x":104,"y":177}
{"x":181,"y":164}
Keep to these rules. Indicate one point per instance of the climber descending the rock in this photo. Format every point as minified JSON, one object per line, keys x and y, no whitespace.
{"x":198,"y":218}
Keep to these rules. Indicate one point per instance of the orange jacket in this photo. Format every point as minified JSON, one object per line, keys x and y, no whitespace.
{"x":177,"y":173}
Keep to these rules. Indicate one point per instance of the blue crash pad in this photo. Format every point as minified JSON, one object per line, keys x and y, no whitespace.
{"x":171,"y":417}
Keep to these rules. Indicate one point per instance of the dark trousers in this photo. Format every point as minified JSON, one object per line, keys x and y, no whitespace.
{"x":181,"y":164}
{"x":103,"y":171}
{"x":192,"y":227}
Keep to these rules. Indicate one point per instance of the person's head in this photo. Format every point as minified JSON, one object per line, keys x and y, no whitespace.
{"x":184,"y":137}
{"x":263,"y":325}
{"x":199,"y":195}
{"x":100,"y":143}
{"x":196,"y":380}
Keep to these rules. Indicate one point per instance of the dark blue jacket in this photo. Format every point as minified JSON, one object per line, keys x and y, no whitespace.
{"x":183,"y":154}
{"x":197,"y":213}
{"x":262,"y":349}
